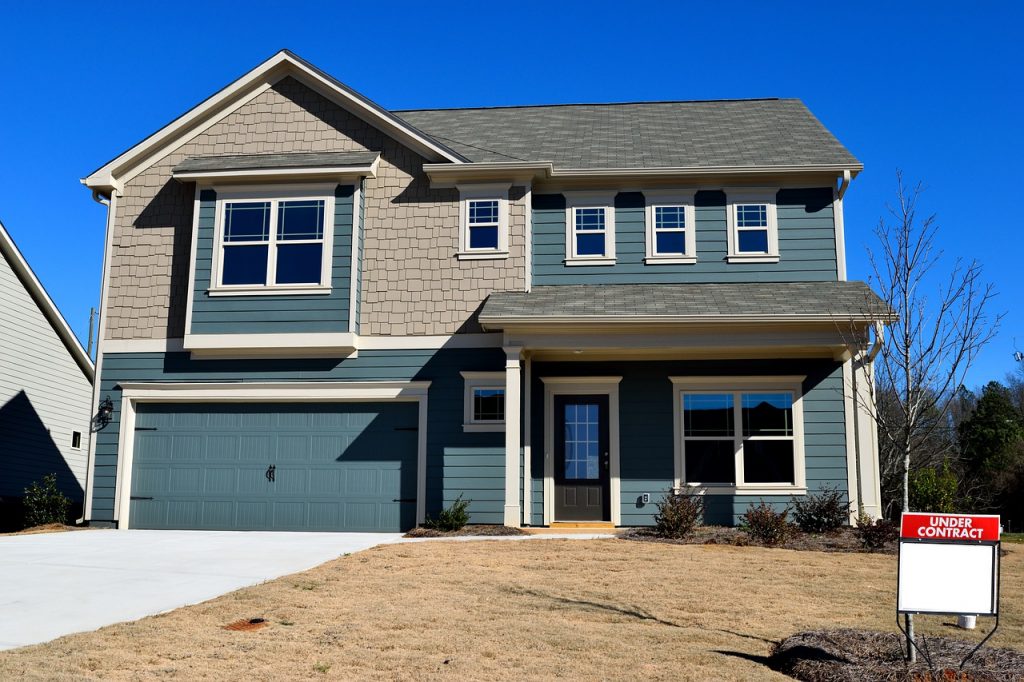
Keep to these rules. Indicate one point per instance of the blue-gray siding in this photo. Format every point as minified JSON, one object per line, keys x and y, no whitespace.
{"x":807,"y":244}
{"x":473,"y":461}
{"x":646,"y":438}
{"x":273,"y":314}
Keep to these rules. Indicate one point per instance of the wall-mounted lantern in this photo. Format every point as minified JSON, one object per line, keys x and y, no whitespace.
{"x":104,"y":414}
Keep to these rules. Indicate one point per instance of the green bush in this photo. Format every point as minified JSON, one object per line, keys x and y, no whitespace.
{"x":823,"y":512}
{"x":678,"y":514}
{"x":44,"y":503}
{"x":765,"y":525}
{"x":452,"y":518}
{"x":934,"y":490}
{"x":875,"y":534}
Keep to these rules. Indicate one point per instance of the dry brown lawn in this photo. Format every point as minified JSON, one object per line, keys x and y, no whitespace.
{"x":537,"y":609}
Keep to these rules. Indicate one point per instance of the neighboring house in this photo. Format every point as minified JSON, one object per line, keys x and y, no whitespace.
{"x":318,"y":314}
{"x":45,"y":387}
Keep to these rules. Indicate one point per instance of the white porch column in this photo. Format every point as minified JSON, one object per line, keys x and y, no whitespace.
{"x":513,"y":440}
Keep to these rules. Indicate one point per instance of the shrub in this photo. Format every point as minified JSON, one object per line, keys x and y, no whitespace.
{"x":678,"y":514}
{"x":764,"y":524}
{"x":822,"y":512}
{"x":44,"y":503}
{"x":452,"y":518}
{"x":934,"y":490}
{"x":875,"y":534}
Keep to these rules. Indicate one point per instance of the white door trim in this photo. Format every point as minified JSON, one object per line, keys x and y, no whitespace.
{"x":132,"y":394}
{"x":603,"y":385}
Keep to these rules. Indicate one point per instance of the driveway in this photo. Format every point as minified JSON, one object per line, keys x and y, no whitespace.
{"x":59,"y":583}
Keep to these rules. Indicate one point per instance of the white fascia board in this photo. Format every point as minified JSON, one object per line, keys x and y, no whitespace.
{"x":339,"y":173}
{"x":177,"y":345}
{"x":271,"y":344}
{"x":9,"y":251}
{"x":271,"y":71}
{"x":688,"y":171}
{"x":270,"y":391}
{"x":509,"y":322}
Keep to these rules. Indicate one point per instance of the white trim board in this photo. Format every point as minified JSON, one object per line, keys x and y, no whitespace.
{"x":133,"y":394}
{"x":607,"y":385}
{"x":177,"y":345}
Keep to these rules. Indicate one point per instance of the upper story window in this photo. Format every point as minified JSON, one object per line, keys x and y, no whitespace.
{"x":753,"y":227}
{"x":741,"y":436}
{"x":272,"y":244}
{"x":671,"y":227}
{"x":590,"y":229}
{"x":484,"y":401}
{"x":483,"y":218}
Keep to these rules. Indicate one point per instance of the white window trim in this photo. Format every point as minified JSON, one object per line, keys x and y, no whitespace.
{"x":603,"y":200}
{"x":80,"y":438}
{"x":273,"y":194}
{"x":727,"y":384}
{"x":654,"y":199}
{"x":751,"y":196}
{"x":467,"y":193}
{"x":473,"y":381}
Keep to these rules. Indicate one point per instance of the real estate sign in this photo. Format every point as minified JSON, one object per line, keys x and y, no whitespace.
{"x":949,"y":564}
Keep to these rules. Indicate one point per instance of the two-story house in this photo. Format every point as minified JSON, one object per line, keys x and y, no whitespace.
{"x":322,"y":315}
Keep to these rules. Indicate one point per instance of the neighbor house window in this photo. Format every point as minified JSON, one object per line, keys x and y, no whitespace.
{"x":590,"y":234}
{"x":484,"y":401}
{"x":753,"y":231}
{"x":274,"y":243}
{"x":76,"y":440}
{"x":741,"y":437}
{"x":484,"y":221}
{"x":671,"y":233}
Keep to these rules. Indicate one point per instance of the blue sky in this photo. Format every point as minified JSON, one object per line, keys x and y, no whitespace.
{"x":932,"y":88}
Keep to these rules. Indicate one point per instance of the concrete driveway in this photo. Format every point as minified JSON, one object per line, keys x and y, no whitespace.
{"x":58,"y":583}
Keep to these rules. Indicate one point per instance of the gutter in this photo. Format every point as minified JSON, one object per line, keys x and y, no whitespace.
{"x":627,"y":320}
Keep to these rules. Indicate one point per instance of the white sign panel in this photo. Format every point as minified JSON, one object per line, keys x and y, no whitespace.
{"x":947,"y":578}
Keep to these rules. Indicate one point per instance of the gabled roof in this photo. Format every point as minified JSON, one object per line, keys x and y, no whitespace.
{"x":752,"y":133}
{"x":686,"y":303}
{"x":10,"y":252}
{"x":283,"y":64}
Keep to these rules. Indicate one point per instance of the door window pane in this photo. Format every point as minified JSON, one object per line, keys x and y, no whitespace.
{"x":299,"y":263}
{"x":767,"y":414}
{"x":710,"y":461}
{"x":245,"y":264}
{"x":708,"y":414}
{"x":582,"y":443}
{"x":767,"y":461}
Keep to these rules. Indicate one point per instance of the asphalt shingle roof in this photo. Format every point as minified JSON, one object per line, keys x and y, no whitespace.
{"x":791,"y":300}
{"x":744,"y":133}
{"x":266,"y":161}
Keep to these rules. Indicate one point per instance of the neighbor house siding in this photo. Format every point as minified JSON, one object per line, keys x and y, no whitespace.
{"x":646,"y":429}
{"x":273,"y":314}
{"x":807,"y":245}
{"x":44,"y":397}
{"x":457,"y":462}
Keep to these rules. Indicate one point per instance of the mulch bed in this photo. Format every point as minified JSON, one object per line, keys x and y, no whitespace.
{"x":47,"y":528}
{"x":465,"y":530}
{"x":843,"y":540}
{"x":867,"y":656}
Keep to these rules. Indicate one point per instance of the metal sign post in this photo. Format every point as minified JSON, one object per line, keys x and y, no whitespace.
{"x":948,"y":565}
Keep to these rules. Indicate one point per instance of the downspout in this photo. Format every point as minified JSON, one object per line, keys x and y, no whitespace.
{"x":91,"y":459}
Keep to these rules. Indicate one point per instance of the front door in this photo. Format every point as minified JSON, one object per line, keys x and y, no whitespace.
{"x":581,"y":458}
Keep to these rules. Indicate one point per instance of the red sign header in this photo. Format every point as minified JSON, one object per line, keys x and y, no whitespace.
{"x":962,"y":527}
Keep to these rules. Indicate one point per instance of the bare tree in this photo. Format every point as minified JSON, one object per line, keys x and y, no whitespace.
{"x":933,"y":341}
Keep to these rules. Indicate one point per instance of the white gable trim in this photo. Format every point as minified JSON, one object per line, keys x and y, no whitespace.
{"x":46,"y":305}
{"x":113,"y":174}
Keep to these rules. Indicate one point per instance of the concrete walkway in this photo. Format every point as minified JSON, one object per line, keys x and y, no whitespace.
{"x":55,"y":584}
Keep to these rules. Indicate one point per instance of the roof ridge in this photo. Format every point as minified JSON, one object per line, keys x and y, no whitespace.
{"x":605,"y":104}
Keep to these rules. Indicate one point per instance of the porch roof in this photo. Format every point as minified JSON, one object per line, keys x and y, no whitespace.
{"x":707,"y":303}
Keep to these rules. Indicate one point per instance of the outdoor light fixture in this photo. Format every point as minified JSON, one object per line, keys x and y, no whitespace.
{"x":104,"y":415}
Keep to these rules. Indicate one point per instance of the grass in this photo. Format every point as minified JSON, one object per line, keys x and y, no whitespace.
{"x":1017,"y":538}
{"x":540,"y":609}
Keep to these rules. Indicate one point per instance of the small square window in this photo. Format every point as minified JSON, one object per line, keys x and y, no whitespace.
{"x":76,"y":440}
{"x":484,"y":408}
{"x":488,"y":404}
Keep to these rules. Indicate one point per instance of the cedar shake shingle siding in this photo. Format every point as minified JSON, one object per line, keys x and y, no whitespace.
{"x":412,"y":283}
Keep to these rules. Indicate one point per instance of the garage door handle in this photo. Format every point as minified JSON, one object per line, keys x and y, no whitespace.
{"x":134,"y":497}
{"x":411,"y":499}
{"x":270,"y":473}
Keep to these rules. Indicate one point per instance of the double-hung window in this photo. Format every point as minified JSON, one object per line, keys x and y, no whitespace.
{"x":273,"y":244}
{"x":671,"y":233}
{"x":753,"y":227}
{"x":484,"y":401}
{"x":741,"y":437}
{"x":483,"y":217}
{"x":590,"y":233}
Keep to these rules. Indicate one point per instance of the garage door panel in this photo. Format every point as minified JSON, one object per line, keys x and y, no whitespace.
{"x":337,"y":466}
